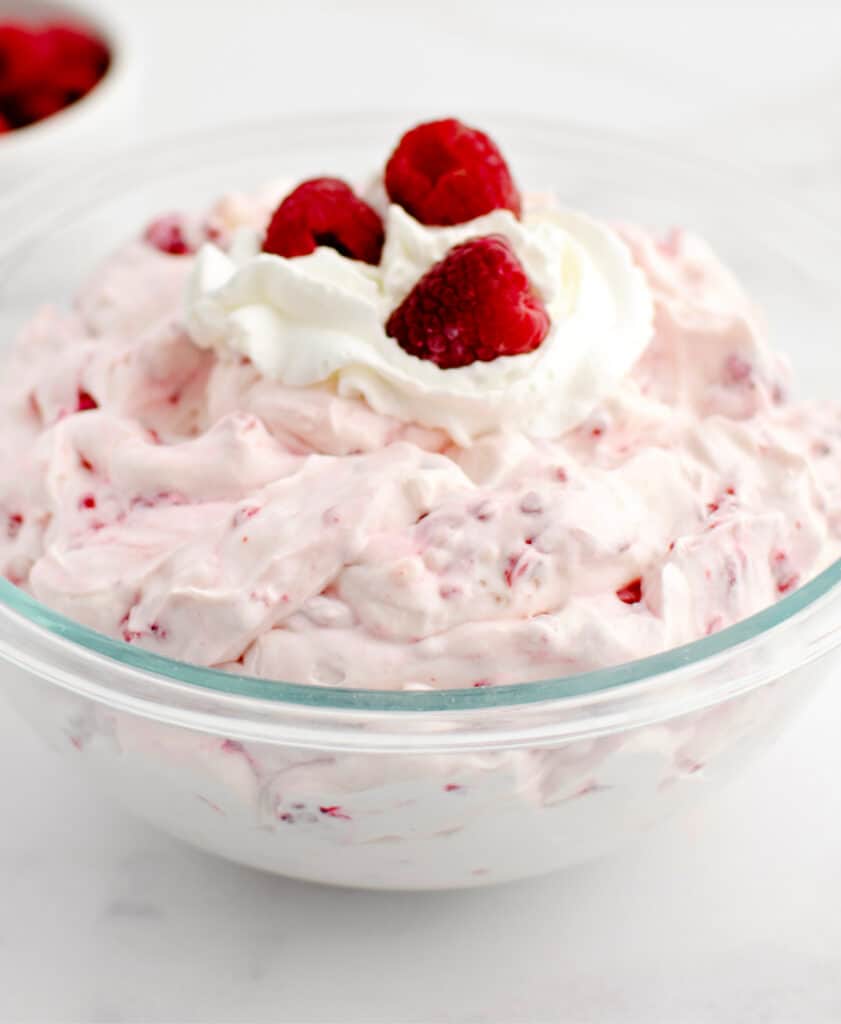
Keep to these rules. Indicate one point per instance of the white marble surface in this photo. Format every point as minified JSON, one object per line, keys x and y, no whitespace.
{"x":734,"y":916}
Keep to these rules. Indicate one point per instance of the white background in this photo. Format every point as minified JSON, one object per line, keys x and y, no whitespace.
{"x":733,"y":916}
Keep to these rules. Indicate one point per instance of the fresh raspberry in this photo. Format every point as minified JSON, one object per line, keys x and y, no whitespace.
{"x":77,"y":60}
{"x":74,"y":81}
{"x":168,"y":234}
{"x":70,"y":49}
{"x":85,"y":401}
{"x":44,"y":70}
{"x":325,"y":211}
{"x":475,"y":304}
{"x":22,"y":59}
{"x":631,"y":593}
{"x":443,"y":172}
{"x":40,"y":102}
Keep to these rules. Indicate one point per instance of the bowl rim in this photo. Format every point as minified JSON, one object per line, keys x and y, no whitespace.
{"x":625,"y":679}
{"x":110,"y":27}
{"x":173,"y":682}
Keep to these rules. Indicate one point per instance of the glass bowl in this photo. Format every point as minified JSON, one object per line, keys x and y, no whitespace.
{"x":434,"y":789}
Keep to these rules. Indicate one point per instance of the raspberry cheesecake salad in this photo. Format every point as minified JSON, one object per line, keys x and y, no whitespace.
{"x":424,"y":431}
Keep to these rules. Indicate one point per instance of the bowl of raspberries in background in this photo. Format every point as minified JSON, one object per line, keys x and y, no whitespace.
{"x":64,"y":86}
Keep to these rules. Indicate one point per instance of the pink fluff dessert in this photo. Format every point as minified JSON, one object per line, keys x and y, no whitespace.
{"x":402,"y":441}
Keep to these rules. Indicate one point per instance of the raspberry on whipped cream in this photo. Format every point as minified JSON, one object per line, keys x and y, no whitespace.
{"x":325,"y":211}
{"x":238,"y":465}
{"x":444,"y":172}
{"x":477,"y":303}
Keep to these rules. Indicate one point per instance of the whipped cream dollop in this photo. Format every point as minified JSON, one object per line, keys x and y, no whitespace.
{"x":319,"y":320}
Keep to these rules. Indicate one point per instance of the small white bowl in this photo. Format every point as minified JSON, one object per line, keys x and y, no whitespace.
{"x":103,"y":119}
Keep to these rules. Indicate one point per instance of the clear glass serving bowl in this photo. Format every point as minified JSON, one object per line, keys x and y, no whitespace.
{"x":424,"y":790}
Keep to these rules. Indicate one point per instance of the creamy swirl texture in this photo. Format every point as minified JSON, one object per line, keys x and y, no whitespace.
{"x":319,"y":320}
{"x":219,"y":510}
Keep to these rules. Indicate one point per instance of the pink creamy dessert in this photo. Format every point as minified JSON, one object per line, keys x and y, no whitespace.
{"x":433,"y":433}
{"x":219,"y":455}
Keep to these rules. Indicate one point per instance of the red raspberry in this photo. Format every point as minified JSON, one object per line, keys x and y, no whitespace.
{"x":44,"y":70}
{"x":631,"y":593}
{"x":73,"y":47}
{"x":325,"y":211}
{"x":475,"y":304}
{"x":22,"y":59}
{"x":77,"y":60}
{"x":85,"y":401}
{"x":446,"y":173}
{"x":168,"y":234}
{"x":39,"y":102}
{"x":75,"y":81}
{"x":5,"y":124}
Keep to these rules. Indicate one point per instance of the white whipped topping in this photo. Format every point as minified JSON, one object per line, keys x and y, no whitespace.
{"x":319,"y":319}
